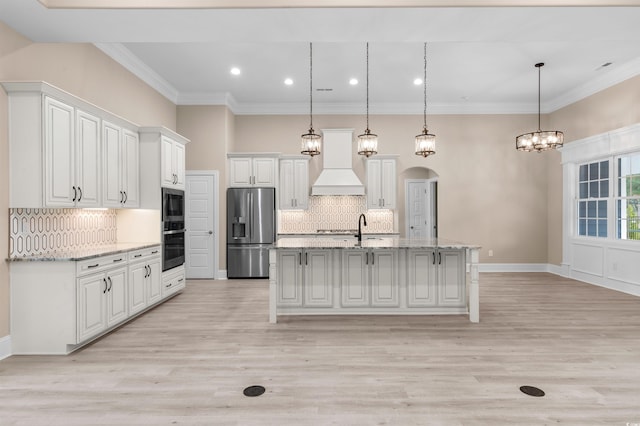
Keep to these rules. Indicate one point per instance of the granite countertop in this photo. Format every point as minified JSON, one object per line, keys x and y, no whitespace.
{"x":83,"y":253}
{"x":369,"y":242}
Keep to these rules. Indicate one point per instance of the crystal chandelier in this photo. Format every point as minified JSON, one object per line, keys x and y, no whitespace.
{"x":540,"y":140}
{"x":367,"y":142}
{"x":425,"y":141}
{"x":311,"y":141}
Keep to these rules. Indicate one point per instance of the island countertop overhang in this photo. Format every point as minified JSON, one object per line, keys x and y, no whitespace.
{"x":369,"y":243}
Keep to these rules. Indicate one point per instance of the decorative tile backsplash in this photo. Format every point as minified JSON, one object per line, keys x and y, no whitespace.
{"x":44,"y":231}
{"x":337,"y":213}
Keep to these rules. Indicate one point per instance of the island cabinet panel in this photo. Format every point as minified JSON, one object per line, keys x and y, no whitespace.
{"x":354,"y":286}
{"x":421,"y":278}
{"x":384,"y":277}
{"x":318,"y":285}
{"x":290,"y":278}
{"x":451,"y":278}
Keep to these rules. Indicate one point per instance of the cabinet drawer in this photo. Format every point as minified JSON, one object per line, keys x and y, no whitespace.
{"x":99,"y":264}
{"x":144,"y":254}
{"x":173,"y":281}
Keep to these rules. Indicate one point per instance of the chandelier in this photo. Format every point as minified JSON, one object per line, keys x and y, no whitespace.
{"x":311,"y":141}
{"x":540,"y":140}
{"x":367,"y":142}
{"x":425,"y":141}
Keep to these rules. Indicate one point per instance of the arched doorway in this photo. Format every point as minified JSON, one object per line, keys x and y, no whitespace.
{"x":419,"y":199}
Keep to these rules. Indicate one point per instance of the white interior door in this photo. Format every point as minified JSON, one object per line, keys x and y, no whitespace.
{"x":201,"y":224}
{"x":421,"y":208}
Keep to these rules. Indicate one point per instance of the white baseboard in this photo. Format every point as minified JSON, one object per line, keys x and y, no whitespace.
{"x":513,"y":267}
{"x":222,"y":274}
{"x":5,"y":347}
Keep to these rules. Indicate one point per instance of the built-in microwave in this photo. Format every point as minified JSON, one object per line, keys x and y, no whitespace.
{"x":172,"y":205}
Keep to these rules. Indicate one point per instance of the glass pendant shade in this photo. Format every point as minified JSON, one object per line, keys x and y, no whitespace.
{"x":367,"y":143}
{"x":540,"y":140}
{"x":425,"y":143}
{"x":311,"y":143}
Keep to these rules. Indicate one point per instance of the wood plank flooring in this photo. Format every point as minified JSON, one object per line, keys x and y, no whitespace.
{"x":187,"y":362}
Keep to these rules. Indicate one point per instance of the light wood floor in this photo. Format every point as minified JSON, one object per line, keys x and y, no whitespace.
{"x":188,"y":361}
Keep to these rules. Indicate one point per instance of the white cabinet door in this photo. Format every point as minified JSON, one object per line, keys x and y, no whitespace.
{"x":354,"y":286}
{"x":240,"y":172}
{"x":130,"y":169}
{"x":137,"y":287}
{"x":88,"y":159}
{"x":179,"y":164}
{"x":301,"y":184}
{"x":318,"y":285}
{"x":451,"y":278}
{"x":116,"y":296}
{"x":91,"y":307}
{"x":111,"y":166}
{"x":388,"y":183}
{"x":264,"y":171}
{"x":384,"y":277}
{"x":287,"y":185}
{"x":374,"y":180}
{"x":173,"y":281}
{"x":59,"y":154}
{"x":166,"y":157}
{"x":289,"y":278}
{"x":154,"y":281}
{"x":421,"y":278}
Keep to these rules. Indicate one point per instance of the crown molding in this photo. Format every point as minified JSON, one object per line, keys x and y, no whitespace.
{"x":616,"y":75}
{"x":119,"y":53}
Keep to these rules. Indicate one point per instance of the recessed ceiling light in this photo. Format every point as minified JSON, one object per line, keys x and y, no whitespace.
{"x":417,"y":81}
{"x":288,"y":81}
{"x":235,"y":71}
{"x":353,"y":81}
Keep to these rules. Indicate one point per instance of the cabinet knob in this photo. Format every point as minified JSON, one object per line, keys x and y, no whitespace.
{"x":210,"y":232}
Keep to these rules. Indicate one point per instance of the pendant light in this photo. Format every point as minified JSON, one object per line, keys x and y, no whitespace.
{"x":311,"y":141}
{"x":425,"y":141}
{"x":367,"y":142}
{"x":540,"y":140}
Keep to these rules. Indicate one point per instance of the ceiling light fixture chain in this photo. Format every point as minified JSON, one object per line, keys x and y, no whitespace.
{"x":311,"y":141}
{"x":540,"y":140}
{"x":425,"y":142}
{"x":367,"y":142}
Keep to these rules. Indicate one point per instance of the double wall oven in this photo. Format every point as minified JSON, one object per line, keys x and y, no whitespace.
{"x":173,"y":229}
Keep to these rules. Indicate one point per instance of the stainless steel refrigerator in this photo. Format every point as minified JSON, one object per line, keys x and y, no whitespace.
{"x":251,"y":229}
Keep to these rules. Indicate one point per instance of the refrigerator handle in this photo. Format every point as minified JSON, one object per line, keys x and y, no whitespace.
{"x":251,"y":216}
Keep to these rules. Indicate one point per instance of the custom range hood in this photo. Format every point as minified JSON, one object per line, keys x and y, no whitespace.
{"x":337,"y":176}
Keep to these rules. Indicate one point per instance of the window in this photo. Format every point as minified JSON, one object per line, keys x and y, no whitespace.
{"x":628,"y":197}
{"x":593,"y":193}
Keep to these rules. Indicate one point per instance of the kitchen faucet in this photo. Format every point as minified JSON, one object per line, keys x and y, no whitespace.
{"x":359,"y":234}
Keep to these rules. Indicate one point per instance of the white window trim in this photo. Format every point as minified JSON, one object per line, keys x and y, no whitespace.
{"x":608,"y":262}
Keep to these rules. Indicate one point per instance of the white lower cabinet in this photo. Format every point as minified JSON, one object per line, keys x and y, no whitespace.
{"x":306,"y":278}
{"x":370,"y":278}
{"x":436,"y":277}
{"x":102,"y":301}
{"x":58,"y":306}
{"x":173,"y":281}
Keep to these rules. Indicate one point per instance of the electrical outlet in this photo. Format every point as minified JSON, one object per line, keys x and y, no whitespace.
{"x":490,"y":253}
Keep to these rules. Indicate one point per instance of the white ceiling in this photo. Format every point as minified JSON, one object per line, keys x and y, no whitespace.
{"x":480,"y":60}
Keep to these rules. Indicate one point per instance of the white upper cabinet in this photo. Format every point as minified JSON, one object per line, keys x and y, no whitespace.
{"x":162,"y":156}
{"x":247,"y":169}
{"x":294,"y":183}
{"x":120,"y":162}
{"x":172,"y":159}
{"x":59,"y":155}
{"x":381,"y":182}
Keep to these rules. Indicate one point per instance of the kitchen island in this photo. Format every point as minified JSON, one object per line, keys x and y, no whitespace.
{"x":377,"y":276}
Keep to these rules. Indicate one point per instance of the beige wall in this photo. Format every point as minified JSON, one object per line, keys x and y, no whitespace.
{"x":610,"y":109}
{"x":84,"y":71}
{"x":490,"y":194}
{"x":210,"y":130}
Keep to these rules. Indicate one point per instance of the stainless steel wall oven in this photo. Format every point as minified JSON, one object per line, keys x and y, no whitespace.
{"x":173,"y":231}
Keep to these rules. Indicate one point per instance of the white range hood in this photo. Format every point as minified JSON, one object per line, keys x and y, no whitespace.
{"x":337,"y":176}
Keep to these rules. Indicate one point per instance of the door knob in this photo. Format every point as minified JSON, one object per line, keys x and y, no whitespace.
{"x":210,"y":232}
{"x":412,"y":227}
